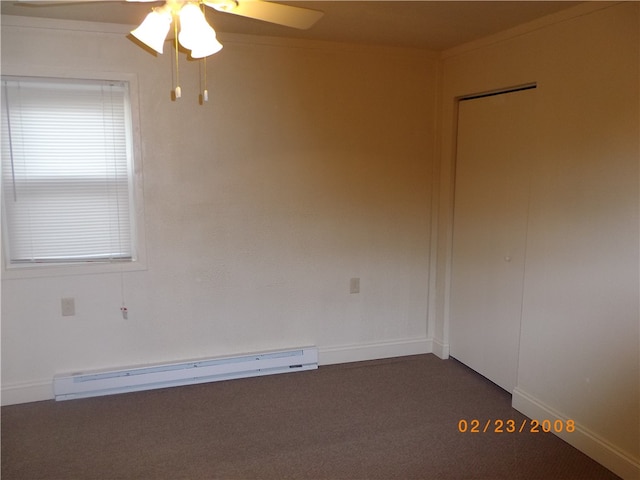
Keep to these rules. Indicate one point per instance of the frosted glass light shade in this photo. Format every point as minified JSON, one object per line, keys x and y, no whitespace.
{"x":208,"y":45}
{"x":192,"y":26}
{"x":153,"y":30}
{"x":196,"y":34}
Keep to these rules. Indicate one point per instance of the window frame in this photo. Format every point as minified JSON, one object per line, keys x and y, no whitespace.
{"x":17,"y":271}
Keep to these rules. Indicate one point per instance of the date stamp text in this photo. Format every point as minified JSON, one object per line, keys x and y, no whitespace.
{"x":512,"y":426}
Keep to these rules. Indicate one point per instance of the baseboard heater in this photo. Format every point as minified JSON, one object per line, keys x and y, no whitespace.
{"x":148,"y":377}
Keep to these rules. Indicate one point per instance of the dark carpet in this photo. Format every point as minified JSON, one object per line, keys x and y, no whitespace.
{"x":383,"y":419}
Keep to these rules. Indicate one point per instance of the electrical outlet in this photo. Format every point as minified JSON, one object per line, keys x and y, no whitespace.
{"x":68,"y":307}
{"x":354,"y":285}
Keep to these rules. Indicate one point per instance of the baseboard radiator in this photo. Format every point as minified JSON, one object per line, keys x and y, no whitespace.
{"x":148,"y":377}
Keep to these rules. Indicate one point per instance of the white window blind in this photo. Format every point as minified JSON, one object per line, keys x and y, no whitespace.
{"x":66,"y":171}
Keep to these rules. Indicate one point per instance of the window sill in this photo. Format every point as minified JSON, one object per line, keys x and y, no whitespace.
{"x":44,"y":270}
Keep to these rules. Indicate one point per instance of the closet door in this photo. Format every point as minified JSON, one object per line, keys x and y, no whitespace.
{"x":494,"y":155}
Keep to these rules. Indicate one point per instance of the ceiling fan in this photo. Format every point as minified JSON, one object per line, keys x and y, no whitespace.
{"x":196,"y":35}
{"x":194,"y":30}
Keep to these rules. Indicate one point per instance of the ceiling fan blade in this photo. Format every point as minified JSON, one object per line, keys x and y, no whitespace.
{"x":287,"y":15}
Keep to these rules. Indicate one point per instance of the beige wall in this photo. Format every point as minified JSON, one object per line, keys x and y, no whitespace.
{"x":310,"y":165}
{"x":579,"y":346}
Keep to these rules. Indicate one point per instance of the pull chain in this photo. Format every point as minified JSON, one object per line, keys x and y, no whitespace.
{"x":178,"y":90}
{"x":205,"y":92}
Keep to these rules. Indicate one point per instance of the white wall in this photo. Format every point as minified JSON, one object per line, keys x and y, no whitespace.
{"x":310,"y":165}
{"x":579,"y":348}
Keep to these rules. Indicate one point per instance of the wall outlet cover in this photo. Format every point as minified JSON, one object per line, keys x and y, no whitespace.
{"x":68,"y":307}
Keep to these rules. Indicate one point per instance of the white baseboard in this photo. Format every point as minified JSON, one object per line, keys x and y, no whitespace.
{"x":589,"y":443}
{"x":373,"y":351}
{"x":27,"y":392}
{"x":37,"y":391}
{"x":441,"y":350}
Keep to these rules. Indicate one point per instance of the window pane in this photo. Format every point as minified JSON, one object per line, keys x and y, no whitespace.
{"x":66,"y":170}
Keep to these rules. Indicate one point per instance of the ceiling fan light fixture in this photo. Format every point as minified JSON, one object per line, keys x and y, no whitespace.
{"x":207,"y":47}
{"x":193,"y":26}
{"x":154,"y":29}
{"x":195,"y":33}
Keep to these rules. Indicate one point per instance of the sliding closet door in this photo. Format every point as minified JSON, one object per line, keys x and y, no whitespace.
{"x":494,"y":155}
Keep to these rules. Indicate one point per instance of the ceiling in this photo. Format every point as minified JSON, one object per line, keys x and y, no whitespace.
{"x":432,"y":25}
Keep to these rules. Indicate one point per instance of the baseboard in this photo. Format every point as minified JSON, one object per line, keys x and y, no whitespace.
{"x":441,"y":350}
{"x":589,"y":443}
{"x":27,"y":392}
{"x":43,"y":390}
{"x":373,"y":351}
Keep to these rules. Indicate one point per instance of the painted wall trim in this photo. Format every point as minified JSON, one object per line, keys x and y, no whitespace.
{"x":43,"y":390}
{"x":64,"y":24}
{"x":374,"y":351}
{"x":440,"y":349}
{"x":588,"y":442}
{"x":543,"y":22}
{"x":26,"y":392}
{"x":224,"y":37}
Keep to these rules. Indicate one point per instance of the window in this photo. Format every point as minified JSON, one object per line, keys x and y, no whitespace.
{"x":67,"y":172}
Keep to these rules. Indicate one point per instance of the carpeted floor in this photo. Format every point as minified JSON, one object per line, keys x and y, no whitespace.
{"x":384,"y":419}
